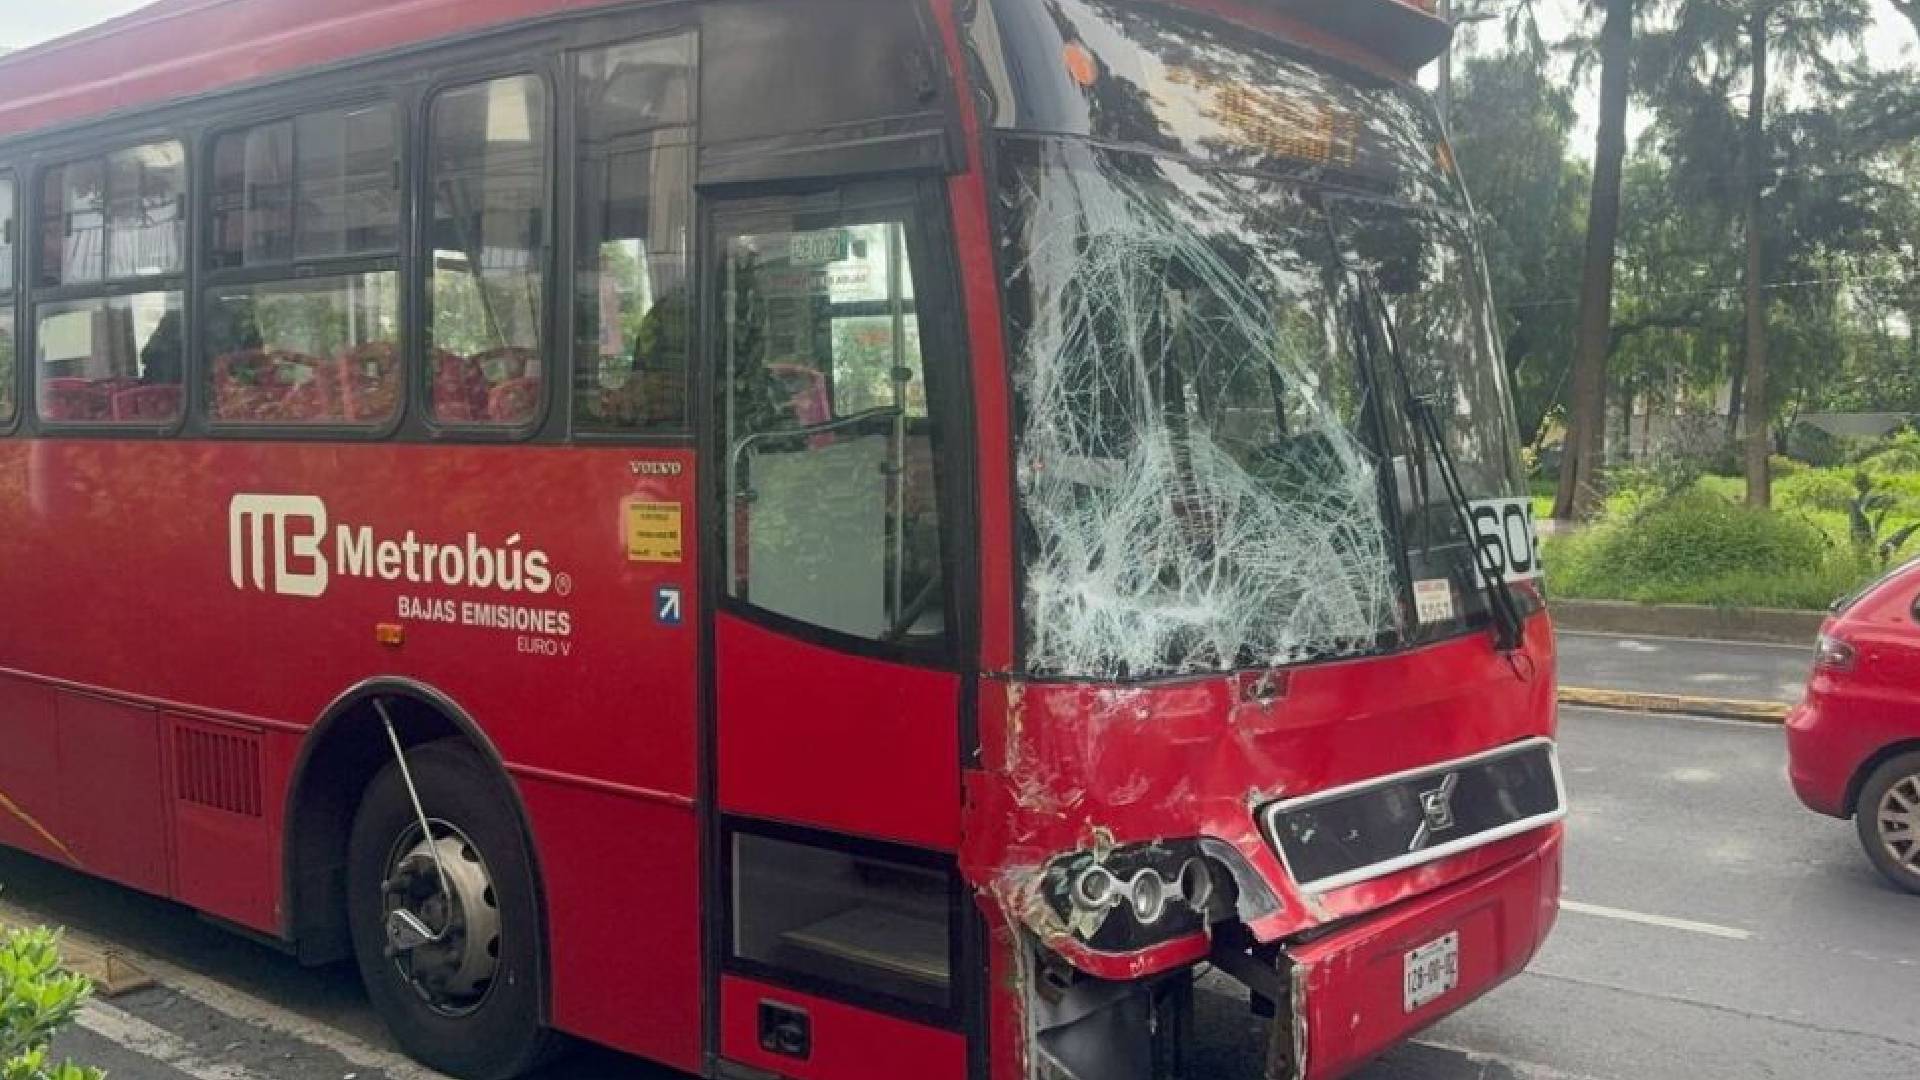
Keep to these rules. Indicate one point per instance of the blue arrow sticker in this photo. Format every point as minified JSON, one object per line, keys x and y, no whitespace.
{"x":666,"y":606}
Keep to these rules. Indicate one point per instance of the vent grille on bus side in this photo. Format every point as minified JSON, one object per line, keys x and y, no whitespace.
{"x":218,"y":769}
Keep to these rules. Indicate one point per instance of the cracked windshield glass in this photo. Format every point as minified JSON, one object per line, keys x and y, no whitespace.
{"x":1215,"y":471}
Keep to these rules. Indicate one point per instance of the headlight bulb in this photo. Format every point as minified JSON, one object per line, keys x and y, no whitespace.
{"x":1094,"y":889}
{"x":1196,"y":884}
{"x":1148,"y":895}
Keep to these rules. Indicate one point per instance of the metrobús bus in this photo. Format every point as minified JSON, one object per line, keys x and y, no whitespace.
{"x":836,"y":539}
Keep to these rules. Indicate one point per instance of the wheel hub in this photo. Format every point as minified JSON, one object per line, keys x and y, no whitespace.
{"x":444,"y":941}
{"x":1899,"y":821}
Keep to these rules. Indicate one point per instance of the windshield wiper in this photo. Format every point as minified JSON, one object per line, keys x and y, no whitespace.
{"x":1424,"y":413}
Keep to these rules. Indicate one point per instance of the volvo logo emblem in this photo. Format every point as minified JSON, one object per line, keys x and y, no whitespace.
{"x":1437,"y":805}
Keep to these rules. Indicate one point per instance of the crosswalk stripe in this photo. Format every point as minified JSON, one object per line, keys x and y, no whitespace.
{"x":128,"y":1031}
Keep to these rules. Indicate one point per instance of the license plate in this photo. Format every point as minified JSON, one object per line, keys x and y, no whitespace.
{"x":1432,"y":970}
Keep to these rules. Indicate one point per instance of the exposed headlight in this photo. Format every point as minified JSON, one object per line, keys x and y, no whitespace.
{"x":1138,"y":896}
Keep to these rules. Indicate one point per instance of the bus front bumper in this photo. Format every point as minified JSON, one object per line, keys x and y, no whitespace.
{"x":1349,"y":993}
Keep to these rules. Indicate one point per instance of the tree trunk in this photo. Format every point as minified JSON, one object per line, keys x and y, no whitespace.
{"x":1736,"y":396}
{"x":1587,"y":412}
{"x":1759,"y":441}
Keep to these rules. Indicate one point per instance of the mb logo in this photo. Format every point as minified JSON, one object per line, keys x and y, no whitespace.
{"x":273,"y":541}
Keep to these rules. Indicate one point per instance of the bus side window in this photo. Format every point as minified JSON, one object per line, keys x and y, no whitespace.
{"x":486,"y":285}
{"x":635,"y":196}
{"x":830,"y":441}
{"x":107,"y":222}
{"x":7,"y":227}
{"x":300,"y":321}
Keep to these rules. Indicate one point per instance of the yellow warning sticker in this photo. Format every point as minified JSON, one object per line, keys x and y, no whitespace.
{"x":654,"y":533}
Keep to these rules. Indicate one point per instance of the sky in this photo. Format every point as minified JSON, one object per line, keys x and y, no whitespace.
{"x":1891,"y":45}
{"x":31,"y":21}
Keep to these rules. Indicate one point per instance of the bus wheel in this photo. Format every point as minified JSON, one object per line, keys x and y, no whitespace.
{"x":454,"y":970}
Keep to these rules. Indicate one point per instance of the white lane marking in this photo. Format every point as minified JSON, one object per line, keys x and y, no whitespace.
{"x":244,"y":1007}
{"x":1664,"y":921}
{"x":128,"y":1031}
{"x":1526,"y":1070}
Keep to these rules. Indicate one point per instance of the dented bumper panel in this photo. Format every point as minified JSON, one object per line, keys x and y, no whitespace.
{"x":1350,"y":986}
{"x":1132,"y":778}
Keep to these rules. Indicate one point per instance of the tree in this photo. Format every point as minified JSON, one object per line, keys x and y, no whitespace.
{"x":1586,"y":435}
{"x":1714,"y":48}
{"x":1510,"y":131}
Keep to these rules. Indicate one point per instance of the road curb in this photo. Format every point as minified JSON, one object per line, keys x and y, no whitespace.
{"x":1757,"y":712}
{"x":1762,"y":625}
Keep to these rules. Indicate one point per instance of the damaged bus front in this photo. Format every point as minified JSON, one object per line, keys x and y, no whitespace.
{"x":1285,"y":698}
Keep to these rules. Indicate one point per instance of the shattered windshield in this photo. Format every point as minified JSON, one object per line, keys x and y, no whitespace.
{"x":1424,"y":267}
{"x":1213,"y":473}
{"x":1197,"y":492}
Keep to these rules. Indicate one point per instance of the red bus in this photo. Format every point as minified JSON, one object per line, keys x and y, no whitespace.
{"x":833,"y":539}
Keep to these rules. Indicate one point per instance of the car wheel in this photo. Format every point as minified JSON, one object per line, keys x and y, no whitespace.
{"x":1888,"y":817}
{"x":455,"y":971}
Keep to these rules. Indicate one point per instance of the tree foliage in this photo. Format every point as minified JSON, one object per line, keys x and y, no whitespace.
{"x":1510,"y":132}
{"x":1813,"y":173}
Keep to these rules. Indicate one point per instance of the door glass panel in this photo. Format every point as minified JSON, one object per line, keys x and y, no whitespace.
{"x":830,"y":445}
{"x":859,"y":920}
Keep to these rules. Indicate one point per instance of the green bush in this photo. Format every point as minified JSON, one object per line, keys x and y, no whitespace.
{"x":1815,"y":489}
{"x":1727,"y":487}
{"x":1701,"y":548}
{"x":1781,"y":465}
{"x":37,"y":999}
{"x":1898,"y":454}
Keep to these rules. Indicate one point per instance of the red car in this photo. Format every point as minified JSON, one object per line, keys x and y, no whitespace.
{"x":1854,"y":743}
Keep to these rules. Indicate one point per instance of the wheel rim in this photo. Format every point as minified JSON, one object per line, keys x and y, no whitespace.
{"x":453,"y":969}
{"x":1899,"y":822}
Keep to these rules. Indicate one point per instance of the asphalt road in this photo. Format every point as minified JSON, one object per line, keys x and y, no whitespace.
{"x":1664,"y":665}
{"x":1714,"y":931}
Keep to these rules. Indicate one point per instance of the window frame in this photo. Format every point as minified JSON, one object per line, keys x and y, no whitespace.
{"x":183,"y":280}
{"x":11,"y":303}
{"x":208,"y":280}
{"x":572,"y":163}
{"x":920,"y":206}
{"x":548,"y":69}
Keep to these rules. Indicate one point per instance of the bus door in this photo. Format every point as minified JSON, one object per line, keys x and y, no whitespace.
{"x":837,"y":635}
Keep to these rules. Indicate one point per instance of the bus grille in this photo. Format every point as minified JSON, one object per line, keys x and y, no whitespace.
{"x":1337,"y":838}
{"x":218,"y":769}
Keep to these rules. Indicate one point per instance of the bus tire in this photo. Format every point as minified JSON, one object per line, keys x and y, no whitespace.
{"x":466,"y":1001}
